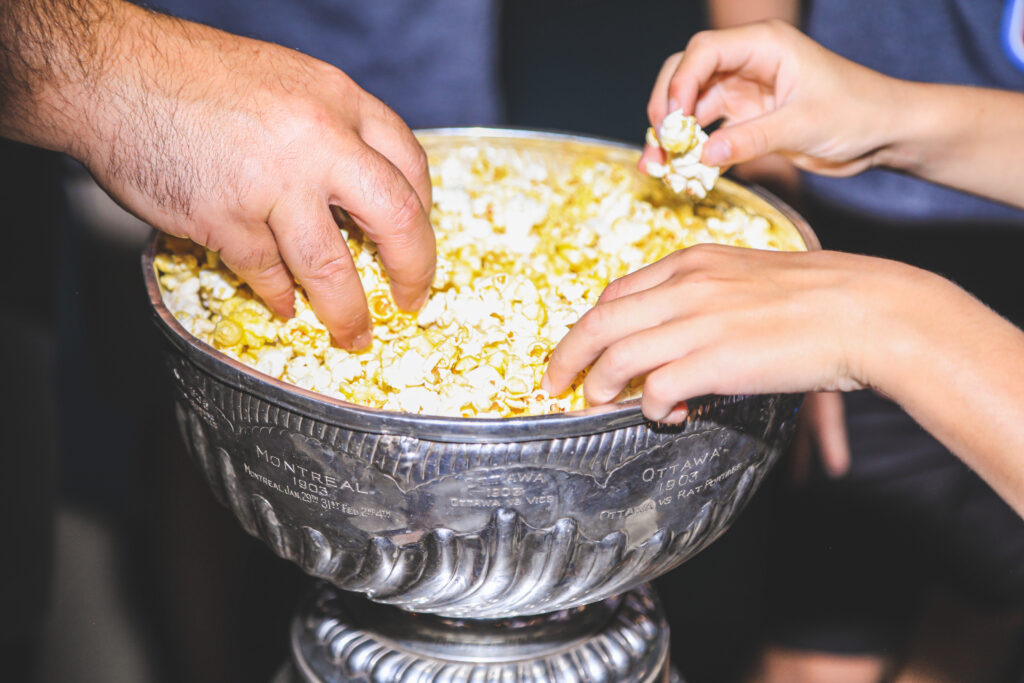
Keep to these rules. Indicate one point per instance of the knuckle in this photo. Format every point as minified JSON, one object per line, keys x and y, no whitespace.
{"x":384,"y":188}
{"x":253,"y":260}
{"x":612,"y":291}
{"x":699,"y":40}
{"x":659,"y":386}
{"x":275,"y":278}
{"x":347,"y":326}
{"x":406,"y":214}
{"x":329,"y":269}
{"x":308,"y":120}
{"x":776,"y":27}
{"x":419,"y":166}
{"x":594,"y":321}
{"x":695,"y":260}
{"x":594,"y":394}
{"x":619,"y":359}
{"x":754,"y":141}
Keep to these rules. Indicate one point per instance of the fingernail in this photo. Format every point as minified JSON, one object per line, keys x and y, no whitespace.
{"x":362,"y":341}
{"x":545,"y":383}
{"x":673,"y":104}
{"x":676,"y":415}
{"x":717,"y":152}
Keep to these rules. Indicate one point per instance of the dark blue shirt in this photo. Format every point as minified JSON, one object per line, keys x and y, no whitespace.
{"x":968,"y":42}
{"x":433,"y":61}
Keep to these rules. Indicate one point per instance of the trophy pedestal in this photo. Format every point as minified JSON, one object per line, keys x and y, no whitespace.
{"x":340,"y":637}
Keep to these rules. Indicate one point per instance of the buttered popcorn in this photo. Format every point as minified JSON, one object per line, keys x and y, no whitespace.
{"x":525,"y":247}
{"x":683,"y":142}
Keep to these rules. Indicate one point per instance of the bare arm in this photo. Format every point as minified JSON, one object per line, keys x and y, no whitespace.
{"x":730,"y":13}
{"x":723,"y":320}
{"x":238,"y":144}
{"x":963,"y":137}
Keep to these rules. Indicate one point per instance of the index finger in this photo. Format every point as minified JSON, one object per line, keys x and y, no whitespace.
{"x":385,"y":206}
{"x":744,"y":50}
{"x":659,"y":106}
{"x":318,"y":257}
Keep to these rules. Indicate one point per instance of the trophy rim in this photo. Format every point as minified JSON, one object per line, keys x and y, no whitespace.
{"x":590,"y":420}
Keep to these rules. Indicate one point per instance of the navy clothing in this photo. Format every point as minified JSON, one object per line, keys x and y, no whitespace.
{"x":962,"y":42}
{"x":856,"y":554}
{"x":433,"y":61}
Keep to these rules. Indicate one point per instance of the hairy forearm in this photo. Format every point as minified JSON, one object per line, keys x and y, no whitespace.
{"x":729,"y":13}
{"x":108,"y":83}
{"x":52,"y":55}
{"x":960,"y":374}
{"x":963,"y":137}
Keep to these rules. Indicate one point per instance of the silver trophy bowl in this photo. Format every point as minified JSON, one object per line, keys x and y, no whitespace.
{"x":470,"y":518}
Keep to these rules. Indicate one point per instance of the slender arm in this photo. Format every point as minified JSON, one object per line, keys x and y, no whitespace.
{"x":729,"y":13}
{"x":958,"y":369}
{"x":959,"y":136}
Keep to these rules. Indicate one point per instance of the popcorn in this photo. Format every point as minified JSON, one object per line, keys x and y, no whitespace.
{"x":683,"y":141}
{"x":525,"y":247}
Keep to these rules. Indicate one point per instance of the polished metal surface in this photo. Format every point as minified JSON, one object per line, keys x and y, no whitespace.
{"x":471,"y":517}
{"x":339,"y":638}
{"x":518,"y":547}
{"x":481,"y":518}
{"x":480,"y":522}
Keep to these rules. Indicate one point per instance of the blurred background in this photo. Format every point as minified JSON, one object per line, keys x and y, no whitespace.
{"x":127,"y":568}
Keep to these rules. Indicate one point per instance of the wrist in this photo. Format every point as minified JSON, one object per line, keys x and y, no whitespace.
{"x":908,"y":126}
{"x":890,"y":337}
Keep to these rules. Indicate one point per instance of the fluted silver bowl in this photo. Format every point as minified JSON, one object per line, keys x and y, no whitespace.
{"x":474,"y":517}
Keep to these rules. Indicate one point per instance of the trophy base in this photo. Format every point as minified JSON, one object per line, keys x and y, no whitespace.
{"x":340,"y":637}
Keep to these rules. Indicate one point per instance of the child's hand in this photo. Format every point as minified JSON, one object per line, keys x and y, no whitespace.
{"x":777,"y":91}
{"x":726,"y":320}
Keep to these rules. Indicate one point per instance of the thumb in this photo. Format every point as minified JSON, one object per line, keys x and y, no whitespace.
{"x":749,"y":140}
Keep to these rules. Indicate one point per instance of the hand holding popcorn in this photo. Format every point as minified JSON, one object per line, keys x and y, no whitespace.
{"x":682,"y":142}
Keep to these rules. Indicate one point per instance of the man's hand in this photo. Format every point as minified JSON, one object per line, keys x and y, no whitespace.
{"x":240,"y":145}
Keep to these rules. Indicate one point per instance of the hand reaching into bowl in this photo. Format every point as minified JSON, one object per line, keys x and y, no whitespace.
{"x":726,"y":320}
{"x":240,"y":145}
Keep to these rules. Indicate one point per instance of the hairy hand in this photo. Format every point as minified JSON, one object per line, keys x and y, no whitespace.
{"x":725,"y":320}
{"x":775,"y":90}
{"x":240,"y":145}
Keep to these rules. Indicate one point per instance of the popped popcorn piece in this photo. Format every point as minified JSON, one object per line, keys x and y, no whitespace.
{"x":683,"y":141}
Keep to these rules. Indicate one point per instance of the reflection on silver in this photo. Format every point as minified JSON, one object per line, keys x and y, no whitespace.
{"x":471,"y":518}
{"x":337,"y":639}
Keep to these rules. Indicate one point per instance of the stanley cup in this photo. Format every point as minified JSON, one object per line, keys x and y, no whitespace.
{"x":512,"y":549}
